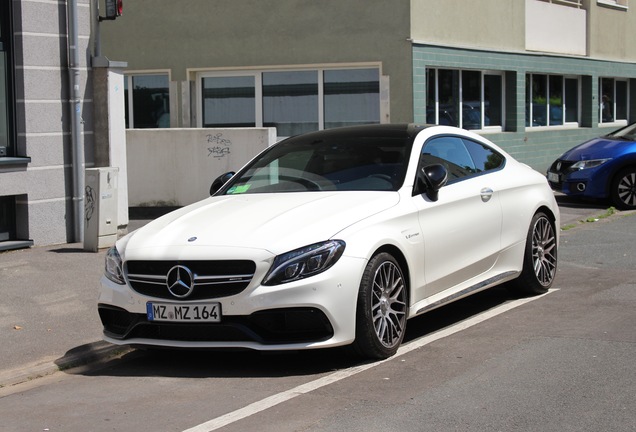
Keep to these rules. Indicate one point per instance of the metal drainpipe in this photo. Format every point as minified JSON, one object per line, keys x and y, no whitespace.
{"x":79,"y":163}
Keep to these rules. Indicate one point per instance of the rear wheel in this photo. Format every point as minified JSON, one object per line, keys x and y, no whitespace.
{"x":624,"y":189}
{"x":540,"y":259}
{"x":381,"y":309}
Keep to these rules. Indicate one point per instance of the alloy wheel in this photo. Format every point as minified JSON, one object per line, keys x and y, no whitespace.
{"x":544,"y":251}
{"x":388,"y":307}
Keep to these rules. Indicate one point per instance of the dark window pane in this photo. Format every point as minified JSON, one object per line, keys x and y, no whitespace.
{"x":539,"y":100}
{"x":290,"y":102}
{"x":493,"y":100}
{"x":571,"y":100}
{"x":4,"y":103}
{"x":448,"y":89}
{"x":471,"y":100}
{"x":151,"y":106}
{"x":229,"y":102}
{"x":621,"y":100}
{"x":431,"y":85}
{"x":352,"y":97}
{"x":556,"y":100}
{"x":607,"y":99}
{"x":7,"y":218}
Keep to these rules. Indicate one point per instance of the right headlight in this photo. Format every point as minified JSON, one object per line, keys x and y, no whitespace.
{"x":587,"y":164}
{"x":113,"y":268}
{"x":304,"y":262}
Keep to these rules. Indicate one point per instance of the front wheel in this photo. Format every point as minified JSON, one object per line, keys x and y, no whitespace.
{"x":381,"y":308}
{"x":540,"y":258}
{"x":624,"y":189}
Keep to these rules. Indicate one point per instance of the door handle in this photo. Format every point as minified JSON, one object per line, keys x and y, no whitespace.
{"x":486,"y":194}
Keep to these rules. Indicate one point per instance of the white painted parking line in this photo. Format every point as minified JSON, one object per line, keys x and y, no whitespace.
{"x":279,"y":398}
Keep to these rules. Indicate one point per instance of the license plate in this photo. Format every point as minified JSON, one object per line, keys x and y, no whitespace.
{"x":194,"y":312}
{"x":553,"y":177}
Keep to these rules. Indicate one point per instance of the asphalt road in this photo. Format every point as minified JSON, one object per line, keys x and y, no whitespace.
{"x":560,"y":362}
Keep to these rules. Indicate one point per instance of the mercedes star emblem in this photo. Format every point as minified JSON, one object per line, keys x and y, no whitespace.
{"x":180,"y":281}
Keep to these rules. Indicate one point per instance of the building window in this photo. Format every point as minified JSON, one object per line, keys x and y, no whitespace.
{"x":618,"y":4}
{"x":464,"y":98}
{"x":551,"y":100}
{"x":6,"y":93}
{"x":229,"y":101}
{"x":613,"y":97}
{"x":7,"y":218}
{"x":351,"y":97}
{"x":148,"y":104}
{"x":292,"y":101}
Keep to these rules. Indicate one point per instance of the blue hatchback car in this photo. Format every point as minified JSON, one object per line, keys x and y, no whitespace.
{"x":603,"y":168}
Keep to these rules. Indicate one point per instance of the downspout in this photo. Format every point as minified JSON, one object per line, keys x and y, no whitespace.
{"x":79,"y":162}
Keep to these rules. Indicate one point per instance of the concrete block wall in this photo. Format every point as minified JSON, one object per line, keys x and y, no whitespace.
{"x":43,"y":187}
{"x":175,"y":167}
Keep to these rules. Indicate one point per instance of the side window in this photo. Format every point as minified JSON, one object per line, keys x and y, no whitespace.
{"x":484,"y":158}
{"x":461,"y":157}
{"x":451,"y":153}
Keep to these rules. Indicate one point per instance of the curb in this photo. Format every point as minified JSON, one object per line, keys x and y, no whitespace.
{"x":92,"y":353}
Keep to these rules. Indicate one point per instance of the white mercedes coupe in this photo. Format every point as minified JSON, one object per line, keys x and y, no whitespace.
{"x":334,"y":238}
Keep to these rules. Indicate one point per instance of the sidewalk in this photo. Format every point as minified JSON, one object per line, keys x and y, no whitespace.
{"x":48,"y":313}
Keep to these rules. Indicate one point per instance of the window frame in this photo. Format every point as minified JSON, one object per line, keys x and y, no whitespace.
{"x":564,"y":103}
{"x":435,"y":104}
{"x":129,"y":76}
{"x":257,"y":74}
{"x":615,"y":121}
{"x":6,"y":48}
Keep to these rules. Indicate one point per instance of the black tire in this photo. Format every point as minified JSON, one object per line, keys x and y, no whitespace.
{"x":540,"y":258}
{"x":381,"y":309}
{"x":624,"y":189}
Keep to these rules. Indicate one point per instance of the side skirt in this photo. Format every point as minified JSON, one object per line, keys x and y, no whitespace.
{"x":495,"y":280}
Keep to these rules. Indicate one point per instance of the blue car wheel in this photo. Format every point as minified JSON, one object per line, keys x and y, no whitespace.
{"x":624,"y":189}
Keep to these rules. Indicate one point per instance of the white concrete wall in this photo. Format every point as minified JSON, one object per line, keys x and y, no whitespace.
{"x":555,"y":28}
{"x":175,"y":167}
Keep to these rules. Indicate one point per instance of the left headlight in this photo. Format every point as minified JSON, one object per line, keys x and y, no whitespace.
{"x":304,"y":262}
{"x":587,"y":164}
{"x":113,"y":268}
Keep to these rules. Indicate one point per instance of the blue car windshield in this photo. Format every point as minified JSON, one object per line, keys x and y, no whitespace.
{"x":628,"y":133}
{"x":330,"y":164}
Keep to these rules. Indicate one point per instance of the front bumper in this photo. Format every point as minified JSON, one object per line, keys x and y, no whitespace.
{"x":315,"y":312}
{"x":587,"y":183}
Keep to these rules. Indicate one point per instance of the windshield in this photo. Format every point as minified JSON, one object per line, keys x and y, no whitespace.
{"x":330,"y":163}
{"x":627,"y":133}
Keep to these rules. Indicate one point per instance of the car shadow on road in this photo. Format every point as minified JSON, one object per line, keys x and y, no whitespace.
{"x":573,"y":202}
{"x":254,"y":364}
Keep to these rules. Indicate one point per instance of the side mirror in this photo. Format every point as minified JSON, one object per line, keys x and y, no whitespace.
{"x":220,"y":181}
{"x":430,"y":179}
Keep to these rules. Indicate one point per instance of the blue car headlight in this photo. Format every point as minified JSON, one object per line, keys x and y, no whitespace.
{"x":587,"y":164}
{"x":113,"y":268}
{"x":304,"y":262}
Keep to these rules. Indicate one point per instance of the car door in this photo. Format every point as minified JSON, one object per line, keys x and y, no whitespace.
{"x":462,"y":228}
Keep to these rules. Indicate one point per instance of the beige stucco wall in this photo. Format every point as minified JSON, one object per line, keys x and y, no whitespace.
{"x":175,"y":167}
{"x":612,"y":32}
{"x":486,"y":24}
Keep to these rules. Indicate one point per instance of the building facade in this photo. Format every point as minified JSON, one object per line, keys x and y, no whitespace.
{"x":537,"y":76}
{"x":36,"y":138}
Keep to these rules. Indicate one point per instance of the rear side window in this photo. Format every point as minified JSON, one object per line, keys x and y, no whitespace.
{"x":460,"y":156}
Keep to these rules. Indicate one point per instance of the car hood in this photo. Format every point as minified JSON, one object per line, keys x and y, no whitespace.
{"x":273,"y":222}
{"x":598,"y":148}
